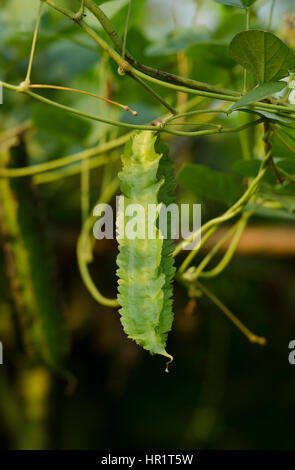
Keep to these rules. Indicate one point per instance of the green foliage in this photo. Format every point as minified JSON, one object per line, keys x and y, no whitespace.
{"x":60,"y":124}
{"x":176,"y":47}
{"x":263,"y":54}
{"x":268,"y":116}
{"x":178,"y":40}
{"x":209,"y":184}
{"x":250,"y":168}
{"x":259,"y":93}
{"x":215,"y":53}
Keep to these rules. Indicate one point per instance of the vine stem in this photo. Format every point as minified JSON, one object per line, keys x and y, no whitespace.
{"x":80,"y":14}
{"x":229,"y":214}
{"x":116,"y":40}
{"x":68,"y":160}
{"x":71,"y":170}
{"x":246,"y":332}
{"x":124,"y":125}
{"x":166,"y":79}
{"x":230,"y":251}
{"x":60,"y":162}
{"x":82,"y":92}
{"x":84,"y":190}
{"x":124,"y":66}
{"x":247,"y":10}
{"x":126,"y":29}
{"x":83,"y":251}
{"x":27,"y":81}
{"x":237,"y":229}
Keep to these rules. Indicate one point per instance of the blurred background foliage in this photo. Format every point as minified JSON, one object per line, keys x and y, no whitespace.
{"x":222,"y":392}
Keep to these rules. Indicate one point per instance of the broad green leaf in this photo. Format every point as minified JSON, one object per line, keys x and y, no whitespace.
{"x":210,"y":184}
{"x":268,"y":116}
{"x":259,"y":93}
{"x":57,"y":122}
{"x":236,"y":3}
{"x":287,"y":164}
{"x":177,"y":41}
{"x":263,"y":54}
{"x":215,"y":52}
{"x":250,"y":168}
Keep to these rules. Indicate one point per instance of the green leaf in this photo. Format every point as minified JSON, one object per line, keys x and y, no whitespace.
{"x":236,"y":3}
{"x":250,"y":168}
{"x":57,"y":122}
{"x":210,"y":184}
{"x":215,"y":53}
{"x":268,"y":116}
{"x":287,"y":164}
{"x":259,"y":93}
{"x":263,"y":54}
{"x":177,"y":41}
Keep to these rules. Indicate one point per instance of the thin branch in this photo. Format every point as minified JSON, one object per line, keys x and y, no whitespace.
{"x":247,"y":10}
{"x":229,"y":214}
{"x":60,"y":162}
{"x":249,"y":335}
{"x":164,"y":76}
{"x":159,"y":128}
{"x":82,"y":92}
{"x":126,"y":29}
{"x":27,"y":81}
{"x":83,"y":252}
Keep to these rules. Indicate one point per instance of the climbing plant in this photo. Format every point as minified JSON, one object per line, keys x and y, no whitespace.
{"x":255,"y":102}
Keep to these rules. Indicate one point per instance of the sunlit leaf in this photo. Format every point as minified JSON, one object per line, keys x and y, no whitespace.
{"x":263,"y":54}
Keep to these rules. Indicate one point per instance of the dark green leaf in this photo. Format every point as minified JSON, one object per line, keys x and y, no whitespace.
{"x":269,"y":116}
{"x":259,"y":93}
{"x":57,"y":122}
{"x":287,"y":164}
{"x":210,"y":184}
{"x":215,"y":52}
{"x":250,"y":168}
{"x":263,"y":54}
